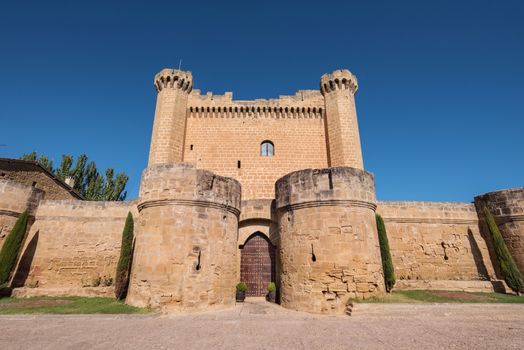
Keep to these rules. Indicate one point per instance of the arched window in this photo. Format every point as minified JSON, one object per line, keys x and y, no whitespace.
{"x":267,"y":149}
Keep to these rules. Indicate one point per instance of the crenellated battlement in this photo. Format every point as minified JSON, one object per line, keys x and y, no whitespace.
{"x":255,"y":112}
{"x":303,"y":104}
{"x":341,"y":79}
{"x":302,"y":98}
{"x":173,"y":79}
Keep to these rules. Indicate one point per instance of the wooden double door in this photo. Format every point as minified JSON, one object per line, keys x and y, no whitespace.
{"x":257,"y":264}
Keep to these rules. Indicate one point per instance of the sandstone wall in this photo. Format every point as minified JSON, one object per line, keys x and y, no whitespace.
{"x":29,"y":174}
{"x":329,"y":250}
{"x":257,"y":216}
{"x":507,"y":207}
{"x":221,"y":132}
{"x":15,"y":198}
{"x":71,"y":243}
{"x":186,"y":244}
{"x":436,"y":241}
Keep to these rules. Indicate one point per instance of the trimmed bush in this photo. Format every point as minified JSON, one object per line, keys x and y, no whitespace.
{"x":124,"y":262}
{"x":387,"y":262}
{"x":242,"y":287}
{"x":508,"y":268}
{"x":11,"y":248}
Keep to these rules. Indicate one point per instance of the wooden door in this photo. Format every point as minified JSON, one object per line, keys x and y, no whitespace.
{"x":257,"y":265}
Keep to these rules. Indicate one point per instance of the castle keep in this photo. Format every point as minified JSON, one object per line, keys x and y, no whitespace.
{"x":257,"y":191}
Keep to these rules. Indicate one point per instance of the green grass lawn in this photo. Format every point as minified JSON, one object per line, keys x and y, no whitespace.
{"x":439,"y":296}
{"x":66,"y":305}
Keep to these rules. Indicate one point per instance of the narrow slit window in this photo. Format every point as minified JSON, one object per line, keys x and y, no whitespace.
{"x":267,"y":149}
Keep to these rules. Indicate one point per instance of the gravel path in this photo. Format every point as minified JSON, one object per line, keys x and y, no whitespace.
{"x":260,"y":325}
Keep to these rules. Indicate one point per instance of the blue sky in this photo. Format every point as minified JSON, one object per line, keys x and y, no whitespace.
{"x":440,"y":104}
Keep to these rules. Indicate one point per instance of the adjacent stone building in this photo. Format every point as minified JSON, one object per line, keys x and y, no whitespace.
{"x":257,"y":191}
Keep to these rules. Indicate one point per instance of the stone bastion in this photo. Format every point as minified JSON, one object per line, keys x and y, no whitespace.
{"x":329,"y":250}
{"x":186,"y":239}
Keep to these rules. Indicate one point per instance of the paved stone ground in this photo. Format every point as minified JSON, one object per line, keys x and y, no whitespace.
{"x":260,"y":325}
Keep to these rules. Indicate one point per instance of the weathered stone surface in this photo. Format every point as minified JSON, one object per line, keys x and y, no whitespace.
{"x":72,"y":243}
{"x":15,"y":198}
{"x":507,"y":207}
{"x":186,"y":243}
{"x":323,"y":265}
{"x":436,"y":241}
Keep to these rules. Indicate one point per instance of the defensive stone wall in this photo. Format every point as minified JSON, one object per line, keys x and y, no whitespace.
{"x":329,"y":250}
{"x":507,"y":207}
{"x":230,"y":145}
{"x":186,"y":242}
{"x":301,"y":99}
{"x":436,"y":241}
{"x":15,"y":198}
{"x":72,"y":243}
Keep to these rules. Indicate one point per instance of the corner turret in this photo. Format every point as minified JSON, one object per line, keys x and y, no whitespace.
{"x":167,"y":142}
{"x":338,"y":89}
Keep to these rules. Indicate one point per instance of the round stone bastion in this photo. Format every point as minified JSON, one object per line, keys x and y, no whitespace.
{"x":186,"y":239}
{"x":329,"y":250}
{"x":507,"y":208}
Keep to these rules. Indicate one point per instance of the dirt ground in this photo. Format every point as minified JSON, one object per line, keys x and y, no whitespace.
{"x":260,"y":325}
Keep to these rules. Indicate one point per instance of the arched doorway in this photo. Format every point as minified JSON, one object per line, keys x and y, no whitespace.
{"x":257,"y":264}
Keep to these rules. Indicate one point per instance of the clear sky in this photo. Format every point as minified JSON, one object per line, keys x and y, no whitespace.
{"x":440,"y":103}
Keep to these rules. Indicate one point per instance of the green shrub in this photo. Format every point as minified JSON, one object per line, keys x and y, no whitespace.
{"x":271,"y":287}
{"x":124,"y":263}
{"x":242,"y":287}
{"x":508,"y":268}
{"x":387,"y":262}
{"x":11,"y":248}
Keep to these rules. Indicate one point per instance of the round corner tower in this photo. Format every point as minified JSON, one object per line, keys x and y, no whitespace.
{"x":343,"y":138}
{"x":167,"y":142}
{"x":329,"y":250}
{"x":186,"y":235}
{"x":507,"y":208}
{"x":186,"y":241}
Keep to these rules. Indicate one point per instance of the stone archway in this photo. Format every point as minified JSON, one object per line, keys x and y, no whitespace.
{"x":257,"y":264}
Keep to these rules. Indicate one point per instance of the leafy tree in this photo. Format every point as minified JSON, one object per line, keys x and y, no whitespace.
{"x":508,"y":268}
{"x":64,"y":170}
{"x":387,"y":261}
{"x":43,"y":160}
{"x":11,"y":248}
{"x":87,"y":180}
{"x":124,"y":262}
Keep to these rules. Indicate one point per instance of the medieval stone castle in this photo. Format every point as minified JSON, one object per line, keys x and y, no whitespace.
{"x":256,"y":191}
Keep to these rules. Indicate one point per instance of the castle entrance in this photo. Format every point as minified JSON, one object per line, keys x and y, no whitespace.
{"x":257,"y":264}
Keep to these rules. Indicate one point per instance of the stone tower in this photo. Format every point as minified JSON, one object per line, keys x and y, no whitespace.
{"x":167,"y":142}
{"x":186,"y":235}
{"x":343,"y":137}
{"x":329,"y":250}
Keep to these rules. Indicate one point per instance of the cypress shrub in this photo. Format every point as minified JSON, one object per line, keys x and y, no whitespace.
{"x":387,"y":262}
{"x":508,"y":268}
{"x":124,"y":262}
{"x":11,"y":248}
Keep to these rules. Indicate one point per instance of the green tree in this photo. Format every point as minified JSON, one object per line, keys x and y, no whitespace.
{"x":43,"y":160}
{"x":124,"y":262}
{"x":64,"y":171}
{"x":11,"y":248}
{"x":87,"y":180}
{"x":387,"y":261}
{"x":508,"y":268}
